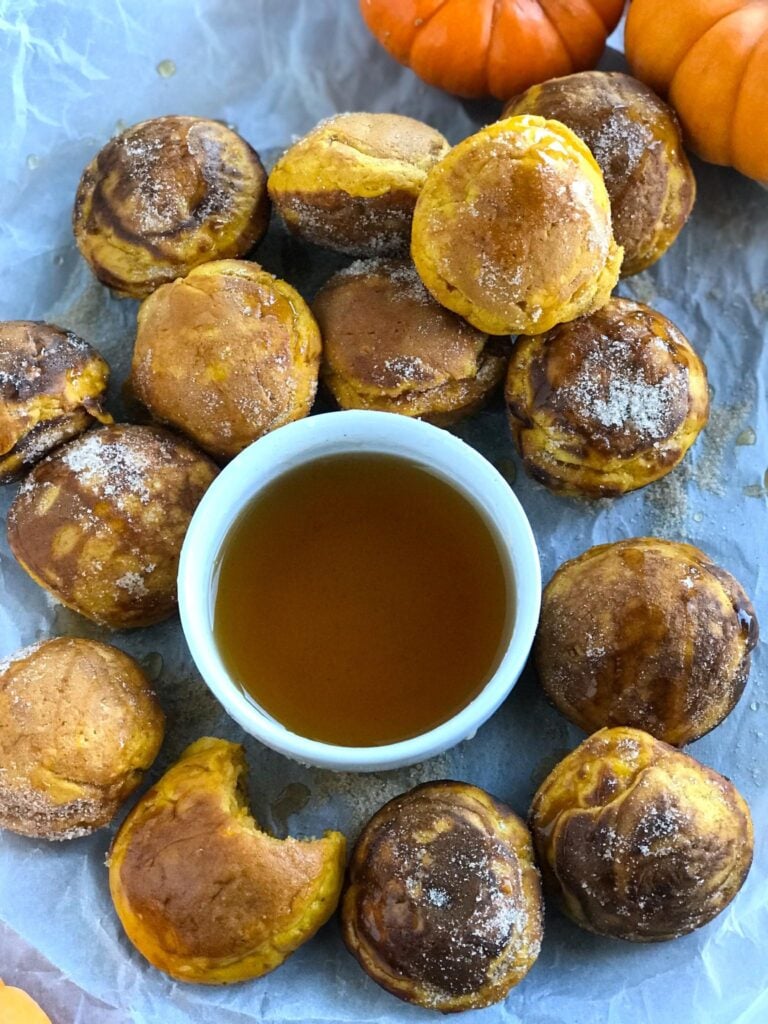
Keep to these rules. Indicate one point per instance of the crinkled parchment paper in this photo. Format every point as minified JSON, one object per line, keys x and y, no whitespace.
{"x":71,"y":75}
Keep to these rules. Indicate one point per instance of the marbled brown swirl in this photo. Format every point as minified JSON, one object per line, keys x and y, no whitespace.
{"x":607,"y":403}
{"x":165,"y":196}
{"x":639,"y":841}
{"x":647,"y":633}
{"x":443,"y":905}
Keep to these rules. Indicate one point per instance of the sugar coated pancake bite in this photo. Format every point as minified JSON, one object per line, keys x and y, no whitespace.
{"x":637,"y":840}
{"x":201,"y":891}
{"x":512,"y":229}
{"x":225,"y":355}
{"x":636,"y":139}
{"x":351,"y":184}
{"x":388,"y":346}
{"x":443,"y":902}
{"x":648,"y":633}
{"x":163,"y":197}
{"x":79,"y":726}
{"x":607,"y":403}
{"x":52,"y":387}
{"x":100,"y":522}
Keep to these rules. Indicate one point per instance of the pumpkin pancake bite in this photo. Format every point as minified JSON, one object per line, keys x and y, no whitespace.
{"x":512,"y":229}
{"x":79,"y":726}
{"x":351,"y":184}
{"x":388,"y":346}
{"x":225,"y":355}
{"x":443,"y":902}
{"x":637,"y":840}
{"x":52,"y":388}
{"x":165,"y":196}
{"x":607,"y":403}
{"x":100,"y":522}
{"x":648,"y":633}
{"x":202,"y":892}
{"x":635,"y":138}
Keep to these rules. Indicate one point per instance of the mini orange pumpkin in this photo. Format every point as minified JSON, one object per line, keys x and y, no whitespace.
{"x":496,"y":47}
{"x":16,"y":1007}
{"x":710,"y":58}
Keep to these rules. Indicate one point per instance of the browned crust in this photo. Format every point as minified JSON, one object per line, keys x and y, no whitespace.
{"x":442,"y":905}
{"x":646,"y":633}
{"x":79,"y":726}
{"x":607,"y":403}
{"x":639,"y":841}
{"x":52,"y":387}
{"x":356,"y":225}
{"x":351,"y":183}
{"x":388,"y":346}
{"x":100,"y":522}
{"x":636,"y":139}
{"x":165,"y":196}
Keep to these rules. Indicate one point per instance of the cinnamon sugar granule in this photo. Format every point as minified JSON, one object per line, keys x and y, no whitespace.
{"x":610,"y":389}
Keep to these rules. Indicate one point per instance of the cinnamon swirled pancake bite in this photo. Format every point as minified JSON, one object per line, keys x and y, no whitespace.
{"x":636,"y":139}
{"x":607,"y":403}
{"x":637,"y":840}
{"x":388,"y":346}
{"x":351,"y":183}
{"x":79,"y":726}
{"x":225,"y":355}
{"x":165,"y":196}
{"x":647,"y":633}
{"x":443,"y":903}
{"x":201,"y":891}
{"x":512,"y":229}
{"x":52,"y":388}
{"x":100,"y":522}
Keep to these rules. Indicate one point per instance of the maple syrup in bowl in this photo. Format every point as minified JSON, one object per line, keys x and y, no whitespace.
{"x":359,"y":590}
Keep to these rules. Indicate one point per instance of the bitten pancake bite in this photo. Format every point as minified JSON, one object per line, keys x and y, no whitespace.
{"x":352,"y":182}
{"x":443,"y":902}
{"x":201,"y":891}
{"x":100,"y":522}
{"x":639,"y":841}
{"x":512,"y":229}
{"x":79,"y":726}
{"x":225,"y":355}
{"x":607,"y":403}
{"x":52,"y":387}
{"x":165,"y":196}
{"x":635,"y":138}
{"x":388,"y":346}
{"x":647,"y":633}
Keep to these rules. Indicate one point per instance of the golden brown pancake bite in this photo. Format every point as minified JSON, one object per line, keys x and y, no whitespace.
{"x":52,"y":387}
{"x":165,"y":196}
{"x":637,"y":840}
{"x":388,"y":346}
{"x":100,"y":522}
{"x":635,"y":138}
{"x":512,"y":229}
{"x":352,"y":182}
{"x":79,"y":726}
{"x":443,"y":903}
{"x":201,"y":891}
{"x":647,"y":633}
{"x":225,"y":355}
{"x":606,"y":403}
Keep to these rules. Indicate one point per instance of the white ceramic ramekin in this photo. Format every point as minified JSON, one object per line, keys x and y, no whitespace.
{"x":333,"y":434}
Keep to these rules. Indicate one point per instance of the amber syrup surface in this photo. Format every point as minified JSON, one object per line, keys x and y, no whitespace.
{"x":361,"y":600}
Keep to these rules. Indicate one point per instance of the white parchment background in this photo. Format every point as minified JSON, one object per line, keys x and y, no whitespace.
{"x":73,"y":73}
